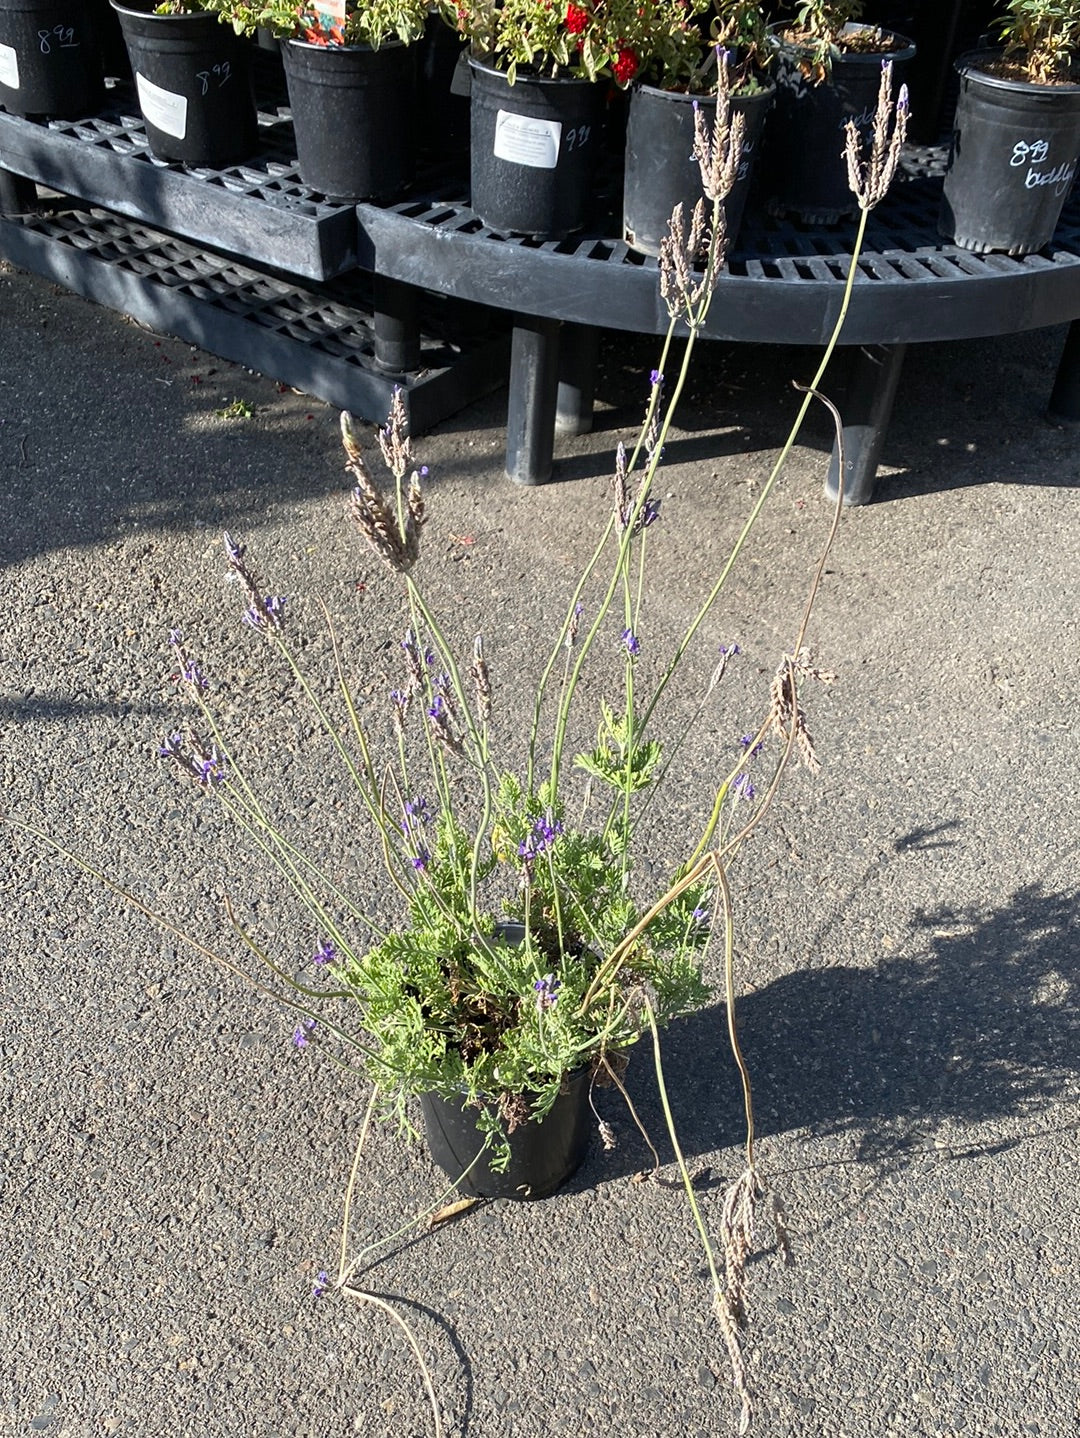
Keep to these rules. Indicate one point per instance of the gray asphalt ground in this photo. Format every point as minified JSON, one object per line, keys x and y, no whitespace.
{"x":173,"y":1169}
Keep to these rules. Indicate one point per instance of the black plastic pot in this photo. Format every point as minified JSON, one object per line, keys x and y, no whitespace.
{"x":352,"y":110}
{"x":543,"y":1156}
{"x":533,"y":151}
{"x":1015,"y":149}
{"x":804,"y":168}
{"x":442,"y":110}
{"x":193,"y":82}
{"x":660,"y":171}
{"x":50,"y":62}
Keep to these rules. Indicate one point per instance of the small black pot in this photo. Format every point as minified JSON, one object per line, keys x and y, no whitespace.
{"x":533,"y":151}
{"x":50,"y":64}
{"x":660,"y":171}
{"x":193,"y":82}
{"x":805,"y":169}
{"x":352,"y":110}
{"x":1014,"y":155}
{"x":543,"y":1156}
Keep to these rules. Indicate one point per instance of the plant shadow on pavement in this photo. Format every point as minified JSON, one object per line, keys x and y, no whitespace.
{"x":982,"y":1024}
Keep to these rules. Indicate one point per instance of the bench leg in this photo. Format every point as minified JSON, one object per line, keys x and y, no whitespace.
{"x":396,"y":322}
{"x":579,"y":346}
{"x":865,"y":411}
{"x":534,"y":385}
{"x":17,"y":194}
{"x":1064,"y":406}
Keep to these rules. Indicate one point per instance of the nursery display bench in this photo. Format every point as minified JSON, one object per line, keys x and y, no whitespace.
{"x":347,"y":301}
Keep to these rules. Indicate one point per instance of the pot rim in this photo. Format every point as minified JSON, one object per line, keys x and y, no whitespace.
{"x":847,"y":57}
{"x":392,"y":44}
{"x":526,"y":76}
{"x":766,"y":91}
{"x":146,"y":12}
{"x":967,"y":65}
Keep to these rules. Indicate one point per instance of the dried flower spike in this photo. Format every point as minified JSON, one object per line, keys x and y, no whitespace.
{"x":683,"y":289}
{"x":394,"y":538}
{"x":869,"y":179}
{"x":719,"y":153}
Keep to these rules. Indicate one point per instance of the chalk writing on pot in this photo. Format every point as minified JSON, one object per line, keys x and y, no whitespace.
{"x":1033,"y":152}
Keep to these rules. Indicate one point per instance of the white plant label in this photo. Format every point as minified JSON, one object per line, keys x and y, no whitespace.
{"x":9,"y":67}
{"x":525,"y":141}
{"x":162,"y":108}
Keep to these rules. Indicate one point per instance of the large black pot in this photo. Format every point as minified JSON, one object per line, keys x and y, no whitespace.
{"x":543,"y":1156}
{"x":193,"y":82}
{"x":352,"y":110}
{"x":660,"y":170}
{"x":49,"y":59}
{"x":805,"y":169}
{"x":1015,"y":149}
{"x":533,"y":151}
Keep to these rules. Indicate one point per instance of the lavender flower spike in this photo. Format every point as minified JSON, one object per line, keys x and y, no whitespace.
{"x":632,"y":642}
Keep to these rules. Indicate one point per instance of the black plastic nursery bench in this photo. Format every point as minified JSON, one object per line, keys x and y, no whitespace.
{"x":346,"y":301}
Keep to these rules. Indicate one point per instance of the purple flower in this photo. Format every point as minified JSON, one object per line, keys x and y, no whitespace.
{"x":301,"y":1032}
{"x":437,"y":707}
{"x":744,"y":787}
{"x":325,"y":953}
{"x":547,"y":992}
{"x":421,"y":859}
{"x":655,"y":378}
{"x":544,"y":833}
{"x":730,"y":650}
{"x":648,"y":514}
{"x":747,"y":741}
{"x":232,"y":549}
{"x":700,"y":916}
{"x":632,"y":642}
{"x":320,"y":1285}
{"x":172,"y":747}
{"x":191,"y":674}
{"x":175,"y":637}
{"x":416,"y":811}
{"x":268,"y":613}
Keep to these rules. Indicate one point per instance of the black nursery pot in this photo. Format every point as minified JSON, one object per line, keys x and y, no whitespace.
{"x":543,"y":1156}
{"x":804,"y":165}
{"x":1014,"y":155}
{"x":660,"y":170}
{"x":50,"y":64}
{"x":533,"y":151}
{"x":352,"y":110}
{"x":193,"y":82}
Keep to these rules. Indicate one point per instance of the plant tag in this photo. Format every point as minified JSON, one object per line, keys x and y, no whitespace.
{"x":461,"y":79}
{"x":164,"y":109}
{"x":525,"y":141}
{"x":332,"y":10}
{"x":9,"y":67}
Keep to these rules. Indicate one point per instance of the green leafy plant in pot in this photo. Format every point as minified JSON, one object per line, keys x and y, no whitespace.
{"x":352,"y":89}
{"x":660,"y":170}
{"x":192,"y":80}
{"x":542,"y":77}
{"x":827,"y":65}
{"x":1016,"y":136}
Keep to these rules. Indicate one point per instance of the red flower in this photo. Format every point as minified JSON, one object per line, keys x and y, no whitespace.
{"x":626,"y":66}
{"x":576,"y":19}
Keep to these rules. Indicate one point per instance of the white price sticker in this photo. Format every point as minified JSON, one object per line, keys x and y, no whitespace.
{"x":9,"y":67}
{"x":523,"y":140}
{"x":162,"y":108}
